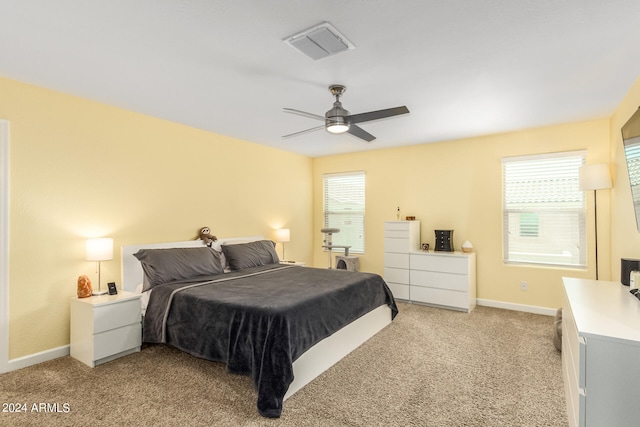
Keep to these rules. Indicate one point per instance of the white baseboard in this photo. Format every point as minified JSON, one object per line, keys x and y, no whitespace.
{"x":34,"y":359}
{"x":517,"y":307}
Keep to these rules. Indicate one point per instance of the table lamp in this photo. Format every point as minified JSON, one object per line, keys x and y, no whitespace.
{"x":283,"y":235}
{"x":100,"y":249}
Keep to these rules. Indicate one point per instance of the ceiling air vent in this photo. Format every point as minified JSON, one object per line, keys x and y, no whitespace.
{"x":320,"y":41}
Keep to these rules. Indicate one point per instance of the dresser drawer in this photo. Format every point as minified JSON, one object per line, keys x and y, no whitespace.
{"x":112,"y":316}
{"x":397,"y":245}
{"x":396,"y":260}
{"x":454,"y":282}
{"x":441,"y":297}
{"x":444,"y":263}
{"x":396,"y":275}
{"x":399,"y":290}
{"x":397,"y":226}
{"x":116,"y":341}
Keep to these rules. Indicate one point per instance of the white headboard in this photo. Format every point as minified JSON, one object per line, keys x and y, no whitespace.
{"x":132,"y":269}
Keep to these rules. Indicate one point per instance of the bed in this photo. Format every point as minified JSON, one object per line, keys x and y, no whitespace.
{"x":280,"y":324}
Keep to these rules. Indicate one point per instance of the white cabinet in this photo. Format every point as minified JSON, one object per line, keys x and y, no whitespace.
{"x":446,"y":279}
{"x":600,"y":353}
{"x":400,"y":238}
{"x":105,"y":327}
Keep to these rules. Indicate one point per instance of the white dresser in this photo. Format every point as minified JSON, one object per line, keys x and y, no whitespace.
{"x":400,"y":238}
{"x":600,"y":353}
{"x":444,"y":279}
{"x":105,"y":327}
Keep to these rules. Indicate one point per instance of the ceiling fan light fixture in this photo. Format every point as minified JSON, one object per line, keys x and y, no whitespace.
{"x":338,"y":127}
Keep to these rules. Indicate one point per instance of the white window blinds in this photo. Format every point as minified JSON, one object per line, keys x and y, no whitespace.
{"x":344,"y":208}
{"x":544,"y":210}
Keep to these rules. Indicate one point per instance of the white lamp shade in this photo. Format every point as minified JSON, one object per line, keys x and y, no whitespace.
{"x":283,"y":235}
{"x":100,"y":249}
{"x":594,"y":177}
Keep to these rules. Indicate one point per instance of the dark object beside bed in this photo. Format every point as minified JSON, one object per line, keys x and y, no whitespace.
{"x":259,"y":320}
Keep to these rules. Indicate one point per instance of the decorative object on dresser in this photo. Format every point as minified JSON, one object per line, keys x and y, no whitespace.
{"x":443,"y":279}
{"x":627,"y":265}
{"x":283,"y":235}
{"x":595,"y":177}
{"x":444,"y":240}
{"x":467,"y":246}
{"x":600,"y":353}
{"x":84,"y":287}
{"x":99,"y":249}
{"x":105,"y":327}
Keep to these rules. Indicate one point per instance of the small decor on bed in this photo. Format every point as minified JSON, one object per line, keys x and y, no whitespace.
{"x":206,"y":236}
{"x":84,"y":287}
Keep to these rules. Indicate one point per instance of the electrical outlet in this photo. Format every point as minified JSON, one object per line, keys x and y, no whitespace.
{"x":523,"y":286}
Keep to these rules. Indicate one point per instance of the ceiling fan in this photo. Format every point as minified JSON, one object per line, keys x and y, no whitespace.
{"x":338,"y":120}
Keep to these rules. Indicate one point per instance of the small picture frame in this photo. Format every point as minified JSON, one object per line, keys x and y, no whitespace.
{"x":425,"y":247}
{"x":113,"y":289}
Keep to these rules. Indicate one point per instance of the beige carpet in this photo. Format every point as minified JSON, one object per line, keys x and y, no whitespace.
{"x":430,"y":367}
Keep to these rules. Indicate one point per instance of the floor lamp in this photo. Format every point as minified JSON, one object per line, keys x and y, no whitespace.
{"x":595,"y":177}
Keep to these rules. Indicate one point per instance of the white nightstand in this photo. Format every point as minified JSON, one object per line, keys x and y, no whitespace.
{"x":105,"y":327}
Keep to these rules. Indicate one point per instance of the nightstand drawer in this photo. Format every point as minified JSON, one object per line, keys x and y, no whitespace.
{"x":116,"y":341}
{"x":112,"y":316}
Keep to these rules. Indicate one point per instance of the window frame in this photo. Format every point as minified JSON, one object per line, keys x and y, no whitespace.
{"x":345,"y":238}
{"x":523,"y":178}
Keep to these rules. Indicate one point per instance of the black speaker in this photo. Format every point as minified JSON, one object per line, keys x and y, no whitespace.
{"x":627,"y":265}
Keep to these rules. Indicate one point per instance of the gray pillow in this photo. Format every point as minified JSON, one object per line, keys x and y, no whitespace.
{"x":168,"y":265}
{"x":253,"y":254}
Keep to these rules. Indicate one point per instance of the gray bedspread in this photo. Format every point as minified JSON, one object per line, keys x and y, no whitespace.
{"x":260,"y":320}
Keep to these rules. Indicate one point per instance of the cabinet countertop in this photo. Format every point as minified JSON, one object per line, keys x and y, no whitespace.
{"x":98,"y":300}
{"x":604,"y":309}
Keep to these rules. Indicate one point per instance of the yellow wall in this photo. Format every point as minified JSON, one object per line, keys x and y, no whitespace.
{"x":80,"y":168}
{"x":624,"y":233}
{"x":458,"y":185}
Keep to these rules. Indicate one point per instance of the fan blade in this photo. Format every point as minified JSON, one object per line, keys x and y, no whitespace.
{"x":375,"y":115}
{"x":360,"y":133}
{"x":304,"y":113}
{"x":302,"y":132}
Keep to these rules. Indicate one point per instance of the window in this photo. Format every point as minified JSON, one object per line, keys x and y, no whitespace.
{"x":344,"y":209}
{"x":544,"y":210}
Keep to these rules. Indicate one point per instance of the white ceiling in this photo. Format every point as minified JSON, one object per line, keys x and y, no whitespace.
{"x":462,"y":67}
